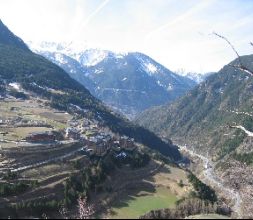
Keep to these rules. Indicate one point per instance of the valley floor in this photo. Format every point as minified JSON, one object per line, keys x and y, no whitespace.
{"x":133,"y":206}
{"x":150,"y":188}
{"x":208,"y":175}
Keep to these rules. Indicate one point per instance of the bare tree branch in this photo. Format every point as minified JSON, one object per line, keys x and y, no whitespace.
{"x":64,"y":212}
{"x":231,"y":45}
{"x":85,"y":210}
{"x":241,"y":66}
{"x":251,"y":44}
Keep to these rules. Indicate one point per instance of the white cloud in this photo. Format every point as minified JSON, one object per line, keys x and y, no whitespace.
{"x":176,"y":21}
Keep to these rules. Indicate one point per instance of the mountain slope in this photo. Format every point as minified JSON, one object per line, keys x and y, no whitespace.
{"x":129,"y":83}
{"x":135,"y":82}
{"x":36,"y":74}
{"x":207,"y":107}
{"x":8,"y":38}
{"x":124,"y":85}
{"x":216,"y":120}
{"x":70,"y":65}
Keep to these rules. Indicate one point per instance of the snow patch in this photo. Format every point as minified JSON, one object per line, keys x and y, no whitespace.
{"x":146,"y":65}
{"x":170,"y":87}
{"x":92,"y":57}
{"x":119,"y":56}
{"x":98,"y":71}
{"x":150,"y":68}
{"x":159,"y":83}
{"x":221,"y":90}
{"x":16,"y":86}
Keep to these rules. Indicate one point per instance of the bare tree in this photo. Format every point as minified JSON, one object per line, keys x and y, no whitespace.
{"x":44,"y":216}
{"x":64,"y":212}
{"x":240,"y":66}
{"x":85,"y":210}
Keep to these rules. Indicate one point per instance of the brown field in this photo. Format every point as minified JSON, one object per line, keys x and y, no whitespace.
{"x":29,"y":110}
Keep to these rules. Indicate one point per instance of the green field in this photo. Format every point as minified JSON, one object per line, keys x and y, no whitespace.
{"x":133,"y":206}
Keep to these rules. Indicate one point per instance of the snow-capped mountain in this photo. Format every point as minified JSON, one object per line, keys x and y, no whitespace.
{"x":165,"y":78}
{"x":92,"y":57}
{"x":71,"y":66}
{"x":127,"y":82}
{"x":197,"y":77}
{"x":80,"y":52}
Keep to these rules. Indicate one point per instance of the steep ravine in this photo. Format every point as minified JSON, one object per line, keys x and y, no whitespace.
{"x":209,"y":177}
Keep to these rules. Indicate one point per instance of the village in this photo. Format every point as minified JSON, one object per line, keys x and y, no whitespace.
{"x":56,"y":133}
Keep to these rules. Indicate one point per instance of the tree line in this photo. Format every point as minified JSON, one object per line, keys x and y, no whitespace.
{"x":188,"y":207}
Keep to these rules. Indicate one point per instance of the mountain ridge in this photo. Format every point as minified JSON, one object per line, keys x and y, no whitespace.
{"x":212,"y":96}
{"x":7,"y":37}
{"x":128,"y":82}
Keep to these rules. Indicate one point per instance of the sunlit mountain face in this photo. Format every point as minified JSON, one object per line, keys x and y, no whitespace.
{"x":127,"y":82}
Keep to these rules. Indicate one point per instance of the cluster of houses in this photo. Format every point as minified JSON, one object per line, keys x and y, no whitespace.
{"x":97,"y":139}
{"x":47,"y":136}
{"x":88,"y":130}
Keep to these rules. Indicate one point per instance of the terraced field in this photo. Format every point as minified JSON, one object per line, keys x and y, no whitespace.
{"x":40,"y":118}
{"x":49,"y":164}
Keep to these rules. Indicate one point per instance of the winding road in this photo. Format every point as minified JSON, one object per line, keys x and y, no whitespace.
{"x":214,"y":180}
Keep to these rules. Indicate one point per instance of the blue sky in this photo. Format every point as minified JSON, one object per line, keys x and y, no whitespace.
{"x":176,"y":33}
